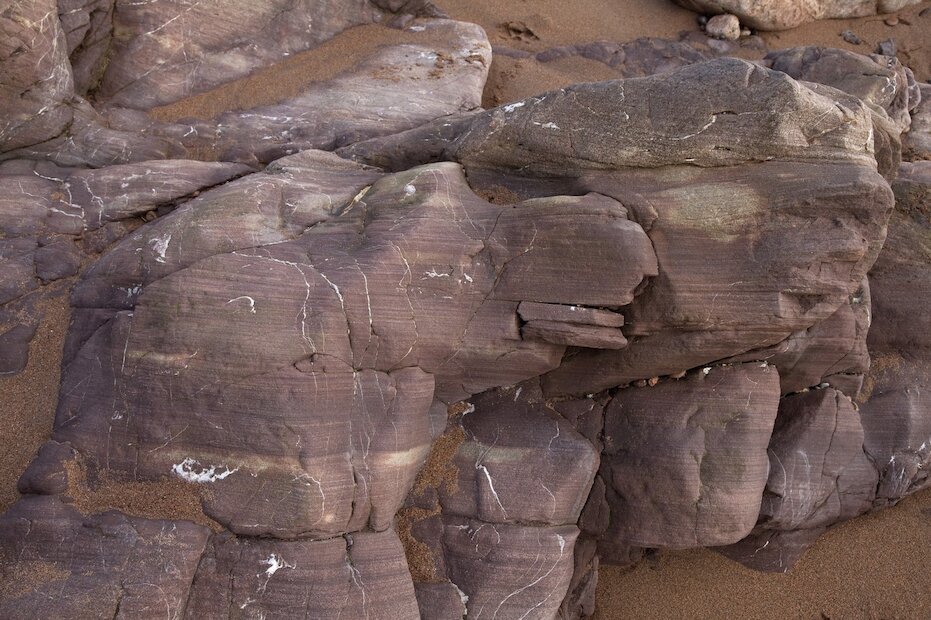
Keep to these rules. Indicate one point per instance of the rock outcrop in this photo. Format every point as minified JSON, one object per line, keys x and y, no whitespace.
{"x":449,"y":368}
{"x":785,"y":14}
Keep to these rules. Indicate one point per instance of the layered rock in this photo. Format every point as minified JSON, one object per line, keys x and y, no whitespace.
{"x":64,"y":564}
{"x":623,"y":278}
{"x":685,"y":461}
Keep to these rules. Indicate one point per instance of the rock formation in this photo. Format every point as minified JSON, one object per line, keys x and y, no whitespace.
{"x":396,"y":355}
{"x":784,"y":14}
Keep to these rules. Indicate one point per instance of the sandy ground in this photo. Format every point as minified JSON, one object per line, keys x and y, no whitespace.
{"x":873,"y":567}
{"x":27,"y":400}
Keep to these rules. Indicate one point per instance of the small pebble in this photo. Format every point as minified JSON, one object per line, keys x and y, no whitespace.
{"x":745,"y":32}
{"x":725,"y":27}
{"x":702,"y":20}
{"x":891,"y":21}
{"x":850,"y":37}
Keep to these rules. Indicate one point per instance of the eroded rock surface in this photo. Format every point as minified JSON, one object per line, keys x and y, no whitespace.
{"x":644,"y":301}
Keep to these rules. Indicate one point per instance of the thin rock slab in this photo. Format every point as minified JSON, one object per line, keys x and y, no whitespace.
{"x":354,"y":576}
{"x":57,"y":563}
{"x":685,"y":462}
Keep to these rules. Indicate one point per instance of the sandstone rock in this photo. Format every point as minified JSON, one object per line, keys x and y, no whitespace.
{"x":685,"y":462}
{"x":440,"y":69}
{"x":14,"y":348}
{"x":509,"y":570}
{"x":198,"y":47}
{"x":833,"y":351}
{"x":785,"y":14}
{"x":717,"y":113}
{"x":723,"y":27}
{"x":901,"y":278}
{"x":917,"y":142}
{"x":119,"y":192}
{"x":349,"y":576}
{"x":286,"y":341}
{"x":819,"y":475}
{"x":57,"y":259}
{"x":67,"y":565}
{"x":87,"y":25}
{"x":364,"y":311}
{"x":896,"y":416}
{"x":880,"y":81}
{"x":638,"y":58}
{"x":37,"y":86}
{"x":699,"y":311}
{"x":520,"y":463}
{"x":817,"y":439}
{"x":440,"y":600}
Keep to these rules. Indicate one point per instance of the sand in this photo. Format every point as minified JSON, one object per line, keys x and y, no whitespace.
{"x":875,"y":566}
{"x":28,"y":400}
{"x":168,"y":498}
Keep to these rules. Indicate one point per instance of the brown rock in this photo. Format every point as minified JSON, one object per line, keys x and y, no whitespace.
{"x":349,"y":576}
{"x":685,"y":462}
{"x":111,"y":564}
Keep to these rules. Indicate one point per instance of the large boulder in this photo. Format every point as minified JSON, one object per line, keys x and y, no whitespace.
{"x":685,"y":461}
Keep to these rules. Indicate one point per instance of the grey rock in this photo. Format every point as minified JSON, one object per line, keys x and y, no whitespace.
{"x":723,"y":27}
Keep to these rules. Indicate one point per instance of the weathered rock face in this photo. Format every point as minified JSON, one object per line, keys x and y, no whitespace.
{"x":171,"y":59}
{"x":651,"y":291}
{"x":201,"y":45}
{"x":879,"y":81}
{"x":685,"y":461}
{"x":917,"y":142}
{"x":819,"y":474}
{"x":345,"y":316}
{"x":353,"y":576}
{"x":896,"y":417}
{"x":67,"y":565}
{"x":37,"y":85}
{"x":830,"y":462}
{"x":785,"y":14}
